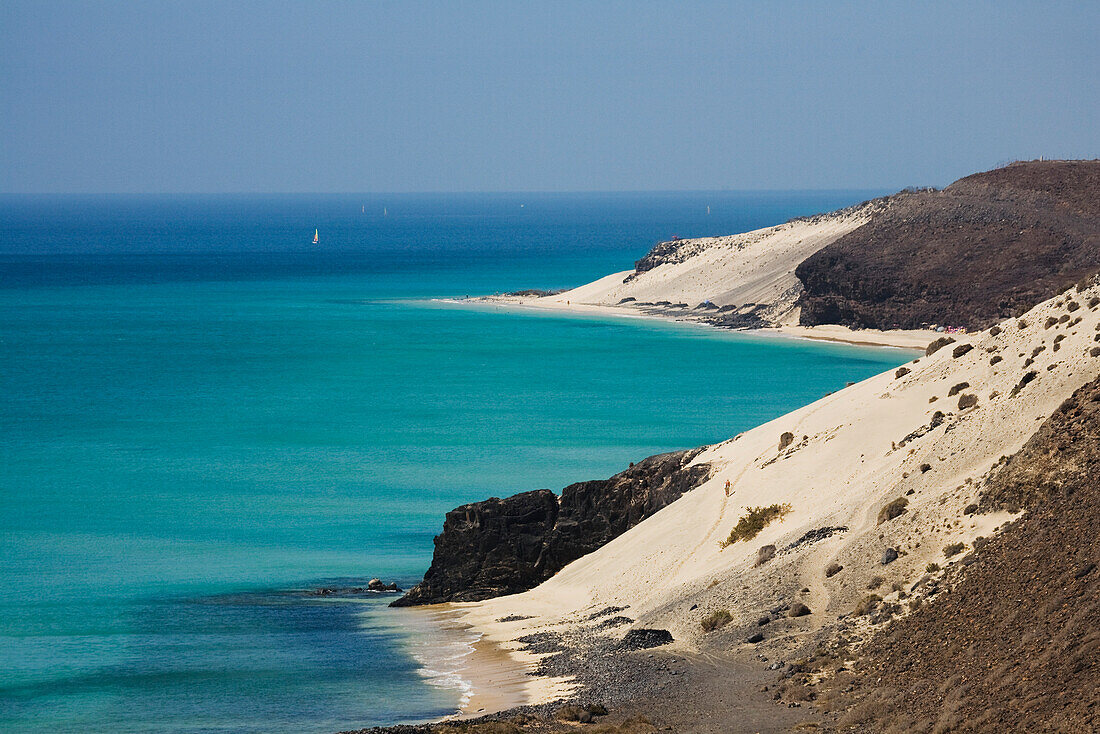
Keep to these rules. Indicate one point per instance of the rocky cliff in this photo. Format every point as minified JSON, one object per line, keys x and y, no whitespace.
{"x":504,"y":546}
{"x":1030,"y":230}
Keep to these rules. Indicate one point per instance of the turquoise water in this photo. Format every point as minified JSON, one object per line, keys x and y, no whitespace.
{"x":199,"y":418}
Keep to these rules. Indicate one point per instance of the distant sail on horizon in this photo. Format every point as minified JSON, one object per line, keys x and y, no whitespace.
{"x":315,"y":236}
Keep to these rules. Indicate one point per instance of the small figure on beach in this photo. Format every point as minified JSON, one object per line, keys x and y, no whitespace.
{"x":727,"y":488}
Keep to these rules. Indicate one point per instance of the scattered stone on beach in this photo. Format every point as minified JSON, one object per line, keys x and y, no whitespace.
{"x":612,"y":622}
{"x":641,"y":639}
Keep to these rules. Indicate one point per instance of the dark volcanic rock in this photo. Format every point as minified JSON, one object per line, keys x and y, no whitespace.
{"x":640,"y":639}
{"x":504,"y":546}
{"x":487,"y":548}
{"x":985,"y":248}
{"x":1013,"y":646}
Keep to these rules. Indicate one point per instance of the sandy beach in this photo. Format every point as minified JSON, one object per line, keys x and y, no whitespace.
{"x":901,"y":338}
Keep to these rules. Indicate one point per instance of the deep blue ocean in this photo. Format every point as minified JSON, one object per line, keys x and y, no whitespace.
{"x":202,"y":415}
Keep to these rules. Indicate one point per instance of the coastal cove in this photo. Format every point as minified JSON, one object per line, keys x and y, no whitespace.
{"x":196,"y":441}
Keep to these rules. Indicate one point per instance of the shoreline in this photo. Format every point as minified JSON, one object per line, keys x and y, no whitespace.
{"x":911,"y":339}
{"x":490,"y":677}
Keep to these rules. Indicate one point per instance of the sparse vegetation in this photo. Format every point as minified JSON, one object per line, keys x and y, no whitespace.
{"x":866,"y":605}
{"x":924,"y":468}
{"x":754,"y":520}
{"x":938,"y":344}
{"x":895,"y":508}
{"x":833,"y":569}
{"x":901,"y":372}
{"x":956,"y":389}
{"x":716,"y":620}
{"x":875,"y":582}
{"x":967,"y":400}
{"x":953,"y":549}
{"x":932,"y":567}
{"x":995,"y":360}
{"x":995,"y":331}
{"x":961,"y":350}
{"x":1028,"y":377}
{"x":786,"y":440}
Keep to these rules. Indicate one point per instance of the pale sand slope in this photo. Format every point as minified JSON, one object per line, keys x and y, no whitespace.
{"x":844,"y":465}
{"x":753,"y":267}
{"x":753,"y":271}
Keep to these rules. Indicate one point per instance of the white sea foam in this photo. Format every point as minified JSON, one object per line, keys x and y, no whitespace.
{"x":441,"y":651}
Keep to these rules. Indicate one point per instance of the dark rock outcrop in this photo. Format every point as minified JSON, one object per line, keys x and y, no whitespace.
{"x":641,"y":639}
{"x":505,"y":546}
{"x":985,"y":248}
{"x":1014,"y":644}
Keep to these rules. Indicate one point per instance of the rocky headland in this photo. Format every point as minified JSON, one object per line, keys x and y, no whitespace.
{"x":504,"y":546}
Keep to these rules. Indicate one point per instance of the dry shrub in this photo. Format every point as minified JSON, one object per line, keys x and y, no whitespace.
{"x":833,"y":569}
{"x":938,"y":344}
{"x":716,"y":620}
{"x":754,"y":520}
{"x":895,"y":508}
{"x":953,"y":549}
{"x":1028,"y":377}
{"x":866,"y":605}
{"x":956,"y":389}
{"x":786,"y":440}
{"x":967,"y":400}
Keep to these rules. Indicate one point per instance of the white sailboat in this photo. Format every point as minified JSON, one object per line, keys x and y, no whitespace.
{"x":315,"y":236}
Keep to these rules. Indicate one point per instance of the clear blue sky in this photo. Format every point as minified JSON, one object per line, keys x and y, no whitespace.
{"x":505,"y":96}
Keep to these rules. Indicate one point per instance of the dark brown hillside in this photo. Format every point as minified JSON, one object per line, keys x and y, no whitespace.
{"x":1013,"y":643}
{"x":983,"y":249}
